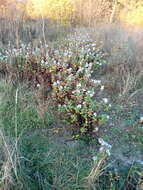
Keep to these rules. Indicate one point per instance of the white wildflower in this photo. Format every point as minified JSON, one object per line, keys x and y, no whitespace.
{"x":61,"y":87}
{"x":92,"y":94}
{"x":97,"y":62}
{"x":56,"y":52}
{"x":79,"y":106}
{"x":105,"y":147}
{"x":90,"y":64}
{"x":102,"y":88}
{"x":86,"y":65}
{"x":96,"y":81}
{"x":88,"y":92}
{"x":88,"y":75}
{"x":42,"y":61}
{"x":95,"y":114}
{"x":58,"y":82}
{"x":69,"y":70}
{"x":38,"y":85}
{"x":94,"y":158}
{"x":141,"y":119}
{"x":77,"y":91}
{"x":70,"y":77}
{"x":108,"y":152}
{"x":54,"y":84}
{"x":107,"y":116}
{"x":73,"y":92}
{"x":105,"y":100}
{"x":58,"y":63}
{"x":65,"y":54}
{"x":96,"y":129}
{"x":93,"y":44}
{"x":101,"y":149}
{"x":103,"y":143}
{"x":14,"y":49}
{"x":78,"y":85}
{"x":80,"y":70}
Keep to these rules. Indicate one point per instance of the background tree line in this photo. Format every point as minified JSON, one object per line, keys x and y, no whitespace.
{"x":89,"y":12}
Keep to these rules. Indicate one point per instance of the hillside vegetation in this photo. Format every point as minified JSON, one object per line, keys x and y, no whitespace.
{"x":71,"y":109}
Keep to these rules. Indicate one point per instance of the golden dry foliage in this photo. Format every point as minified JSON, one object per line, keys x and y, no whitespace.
{"x":132,"y":14}
{"x":75,"y":11}
{"x":12,"y":9}
{"x":87,"y":12}
{"x":90,"y":12}
{"x":54,"y":9}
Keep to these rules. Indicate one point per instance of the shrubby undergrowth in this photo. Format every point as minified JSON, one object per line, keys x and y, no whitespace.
{"x":68,"y":72}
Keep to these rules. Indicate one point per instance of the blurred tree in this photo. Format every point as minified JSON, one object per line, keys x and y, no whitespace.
{"x":60,"y":10}
{"x":132,"y":13}
{"x":3,"y":2}
{"x":89,"y":12}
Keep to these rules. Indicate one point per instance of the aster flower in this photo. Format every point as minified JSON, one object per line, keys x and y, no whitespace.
{"x":78,"y":85}
{"x":94,"y":158}
{"x":105,"y":147}
{"x":79,"y":106}
{"x":105,"y":100}
{"x":42,"y":61}
{"x":103,"y":143}
{"x":102,"y":88}
{"x":141,"y":119}
{"x":107,"y":116}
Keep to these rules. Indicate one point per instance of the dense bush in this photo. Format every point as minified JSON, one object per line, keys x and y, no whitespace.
{"x":68,"y":71}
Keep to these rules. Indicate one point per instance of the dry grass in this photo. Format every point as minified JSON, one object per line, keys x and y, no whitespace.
{"x":10,"y":155}
{"x":123,"y":47}
{"x":9,"y":163}
{"x":96,"y":172}
{"x":15,"y":31}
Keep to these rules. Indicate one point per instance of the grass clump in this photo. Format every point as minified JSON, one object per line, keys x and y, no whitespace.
{"x":24,"y":112}
{"x":40,"y":164}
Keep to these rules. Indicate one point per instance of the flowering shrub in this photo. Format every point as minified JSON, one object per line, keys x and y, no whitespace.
{"x":74,"y":88}
{"x":68,"y":71}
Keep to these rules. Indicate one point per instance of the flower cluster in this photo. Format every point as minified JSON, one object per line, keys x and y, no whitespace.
{"x":69,"y":70}
{"x":74,"y":86}
{"x":105,"y":147}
